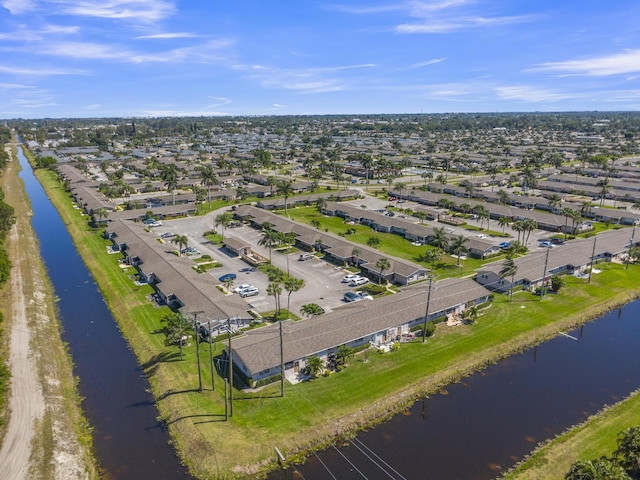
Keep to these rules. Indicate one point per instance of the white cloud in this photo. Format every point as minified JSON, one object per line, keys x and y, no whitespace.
{"x":621,"y":63}
{"x":146,"y":11}
{"x":40,"y":72}
{"x":14,"y":86}
{"x":310,"y":80}
{"x":93,"y":106}
{"x":527,"y":93}
{"x":168,"y":36}
{"x":428,"y":62}
{"x":17,"y":7}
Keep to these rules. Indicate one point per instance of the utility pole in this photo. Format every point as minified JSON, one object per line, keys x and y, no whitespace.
{"x":593,"y":254}
{"x":544,"y":275}
{"x":633,"y":234}
{"x":197,"y":339}
{"x":426,"y":313}
{"x":211,"y":366}
{"x":230,"y":371}
{"x":281,"y":363}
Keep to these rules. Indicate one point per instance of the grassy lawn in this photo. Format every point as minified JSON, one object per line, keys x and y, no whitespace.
{"x":390,"y":243}
{"x":313,"y":412}
{"x":593,"y":439}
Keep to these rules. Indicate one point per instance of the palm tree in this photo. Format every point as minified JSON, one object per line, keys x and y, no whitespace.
{"x":182,"y":241}
{"x":503,"y":222}
{"x":383,"y":264}
{"x":270,"y":238}
{"x":482,"y":213}
{"x":529,"y":226}
{"x":400,"y":187}
{"x":209,"y":178}
{"x":314,"y":365}
{"x":604,"y":189}
{"x":518,"y":226}
{"x":367,"y":162}
{"x":440,"y":239}
{"x":433,"y":255}
{"x":458,"y":246}
{"x":509,"y":268}
{"x":422,"y":216}
{"x":275,"y":289}
{"x":554,"y":201}
{"x":567,"y":213}
{"x":101,"y":213}
{"x":321,"y":204}
{"x":473,"y":313}
{"x":356,"y":253}
{"x":170,"y":178}
{"x":503,"y":196}
{"x":285,"y":188}
{"x":223,"y":219}
{"x":291,"y":285}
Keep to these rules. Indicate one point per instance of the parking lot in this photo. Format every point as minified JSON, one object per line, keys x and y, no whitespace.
{"x":322,"y":279}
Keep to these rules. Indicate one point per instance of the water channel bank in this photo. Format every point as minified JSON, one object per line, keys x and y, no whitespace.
{"x":129,"y":441}
{"x":476,"y":428}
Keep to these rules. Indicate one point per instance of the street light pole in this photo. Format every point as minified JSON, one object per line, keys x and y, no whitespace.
{"x":593,"y":253}
{"x":197,"y":339}
{"x":544,"y":275}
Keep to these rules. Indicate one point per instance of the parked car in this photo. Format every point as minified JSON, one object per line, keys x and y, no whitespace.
{"x":557,"y":241}
{"x":190,"y":251}
{"x":305,"y":256}
{"x":504,"y":245}
{"x":365,"y":295}
{"x":168,"y":235}
{"x":244,"y":286}
{"x":352,"y":297}
{"x":150,"y":222}
{"x":356,"y":282}
{"x":392,"y":199}
{"x":349,"y":276}
{"x":546,"y":244}
{"x":249,"y":292}
{"x":227,"y":276}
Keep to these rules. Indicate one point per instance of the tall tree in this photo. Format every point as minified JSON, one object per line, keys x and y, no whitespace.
{"x":509,"y":269}
{"x":182,"y":241}
{"x":440,"y":239}
{"x":285,"y":188}
{"x":458,"y":246}
{"x":383,"y":264}
{"x":175,"y":329}
{"x":292,"y":285}
{"x":223,"y":219}
{"x":209,"y":179}
{"x":269,"y":239}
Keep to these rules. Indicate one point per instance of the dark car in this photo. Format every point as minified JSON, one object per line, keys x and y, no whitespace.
{"x":227,"y":276}
{"x":557,"y":241}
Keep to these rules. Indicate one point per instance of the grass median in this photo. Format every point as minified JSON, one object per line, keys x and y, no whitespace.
{"x":312,"y":413}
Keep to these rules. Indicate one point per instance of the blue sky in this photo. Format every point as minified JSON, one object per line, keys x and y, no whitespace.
{"x":96,"y":58}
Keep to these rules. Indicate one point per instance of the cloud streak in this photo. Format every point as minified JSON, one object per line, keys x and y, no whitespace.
{"x":616,"y":64}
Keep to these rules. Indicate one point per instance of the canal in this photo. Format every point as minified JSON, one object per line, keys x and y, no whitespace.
{"x":473,"y":429}
{"x":130,"y":443}
{"x":479,"y":427}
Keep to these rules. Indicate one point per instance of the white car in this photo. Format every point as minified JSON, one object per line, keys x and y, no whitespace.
{"x":356,"y":282}
{"x":349,"y":276}
{"x":239,"y":288}
{"x":248,"y":292}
